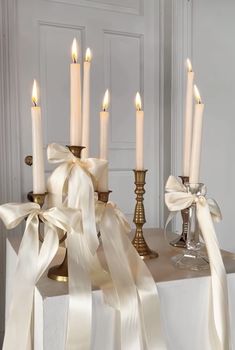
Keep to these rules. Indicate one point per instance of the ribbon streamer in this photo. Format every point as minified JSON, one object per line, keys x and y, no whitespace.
{"x":133,"y":291}
{"x":31,"y":264}
{"x":76,"y":179}
{"x":178,"y":198}
{"x":136,"y":290}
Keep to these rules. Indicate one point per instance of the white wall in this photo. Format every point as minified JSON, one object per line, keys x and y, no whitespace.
{"x":207,"y":31}
{"x":214,"y":61}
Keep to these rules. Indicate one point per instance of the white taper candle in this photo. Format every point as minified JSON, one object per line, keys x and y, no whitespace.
{"x":188,"y":120}
{"x":37,"y":145}
{"x":139,"y":133}
{"x":197,"y":138}
{"x":86,"y":105}
{"x":104,"y":125}
{"x":75,"y":99}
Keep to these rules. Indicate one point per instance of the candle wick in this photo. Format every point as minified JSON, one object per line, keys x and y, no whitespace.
{"x":74,"y":60}
{"x":34,"y":103}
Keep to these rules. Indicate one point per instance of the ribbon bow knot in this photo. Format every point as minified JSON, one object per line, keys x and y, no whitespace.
{"x":178,"y":197}
{"x":32,"y":261}
{"x":100,"y":211}
{"x":76,"y":178}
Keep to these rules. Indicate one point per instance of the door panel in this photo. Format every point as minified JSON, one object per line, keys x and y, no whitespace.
{"x":121,"y":37}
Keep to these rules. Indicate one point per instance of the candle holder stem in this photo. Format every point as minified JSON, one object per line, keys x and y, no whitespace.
{"x":59,"y":273}
{"x":139,"y":218}
{"x":181,"y":241}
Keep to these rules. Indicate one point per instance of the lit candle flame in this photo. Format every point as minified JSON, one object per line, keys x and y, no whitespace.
{"x":197,"y":95}
{"x":189,"y":65}
{"x":35,"y":93}
{"x":138,"y":103}
{"x":75,"y":51}
{"x":105,"y":105}
{"x":88,"y":55}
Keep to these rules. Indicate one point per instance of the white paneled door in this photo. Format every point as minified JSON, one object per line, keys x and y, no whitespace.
{"x":122,"y":36}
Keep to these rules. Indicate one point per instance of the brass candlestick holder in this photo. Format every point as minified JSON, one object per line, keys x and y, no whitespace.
{"x":181,"y":241}
{"x":139,"y":218}
{"x":38,"y":198}
{"x":103,"y":196}
{"x":59,"y":273}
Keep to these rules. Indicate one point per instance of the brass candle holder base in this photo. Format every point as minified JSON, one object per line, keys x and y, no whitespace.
{"x":139,"y":218}
{"x":181,"y":241}
{"x":59,"y":273}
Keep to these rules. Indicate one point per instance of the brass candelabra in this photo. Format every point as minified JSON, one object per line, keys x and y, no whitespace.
{"x":139,"y":218}
{"x":180,"y":242}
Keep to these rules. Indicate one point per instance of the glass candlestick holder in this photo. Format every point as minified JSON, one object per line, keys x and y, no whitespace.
{"x":181,"y":240}
{"x":194,"y":257}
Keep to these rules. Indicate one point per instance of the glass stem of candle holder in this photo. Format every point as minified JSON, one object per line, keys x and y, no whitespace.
{"x":194,"y":257}
{"x":180,"y":242}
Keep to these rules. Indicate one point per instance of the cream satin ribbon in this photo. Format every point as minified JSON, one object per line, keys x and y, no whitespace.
{"x":82,"y":176}
{"x":32,"y":263}
{"x":139,"y":305}
{"x":76,"y":179}
{"x":177,"y":198}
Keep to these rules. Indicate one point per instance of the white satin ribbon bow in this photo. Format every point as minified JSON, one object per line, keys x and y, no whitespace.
{"x":76,"y":179}
{"x":80,"y":176}
{"x":32,"y":263}
{"x":138,"y":300}
{"x":177,"y":198}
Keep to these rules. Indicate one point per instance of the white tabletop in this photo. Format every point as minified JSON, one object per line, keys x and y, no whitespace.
{"x":183,"y":295}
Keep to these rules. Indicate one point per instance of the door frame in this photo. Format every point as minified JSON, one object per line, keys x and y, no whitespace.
{"x":10,"y":169}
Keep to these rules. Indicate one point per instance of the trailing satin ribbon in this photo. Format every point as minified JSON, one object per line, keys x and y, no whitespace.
{"x":83,"y":268}
{"x":139,"y":306}
{"x":31,"y":264}
{"x":72,"y":178}
{"x":76,"y":179}
{"x":177,"y":198}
